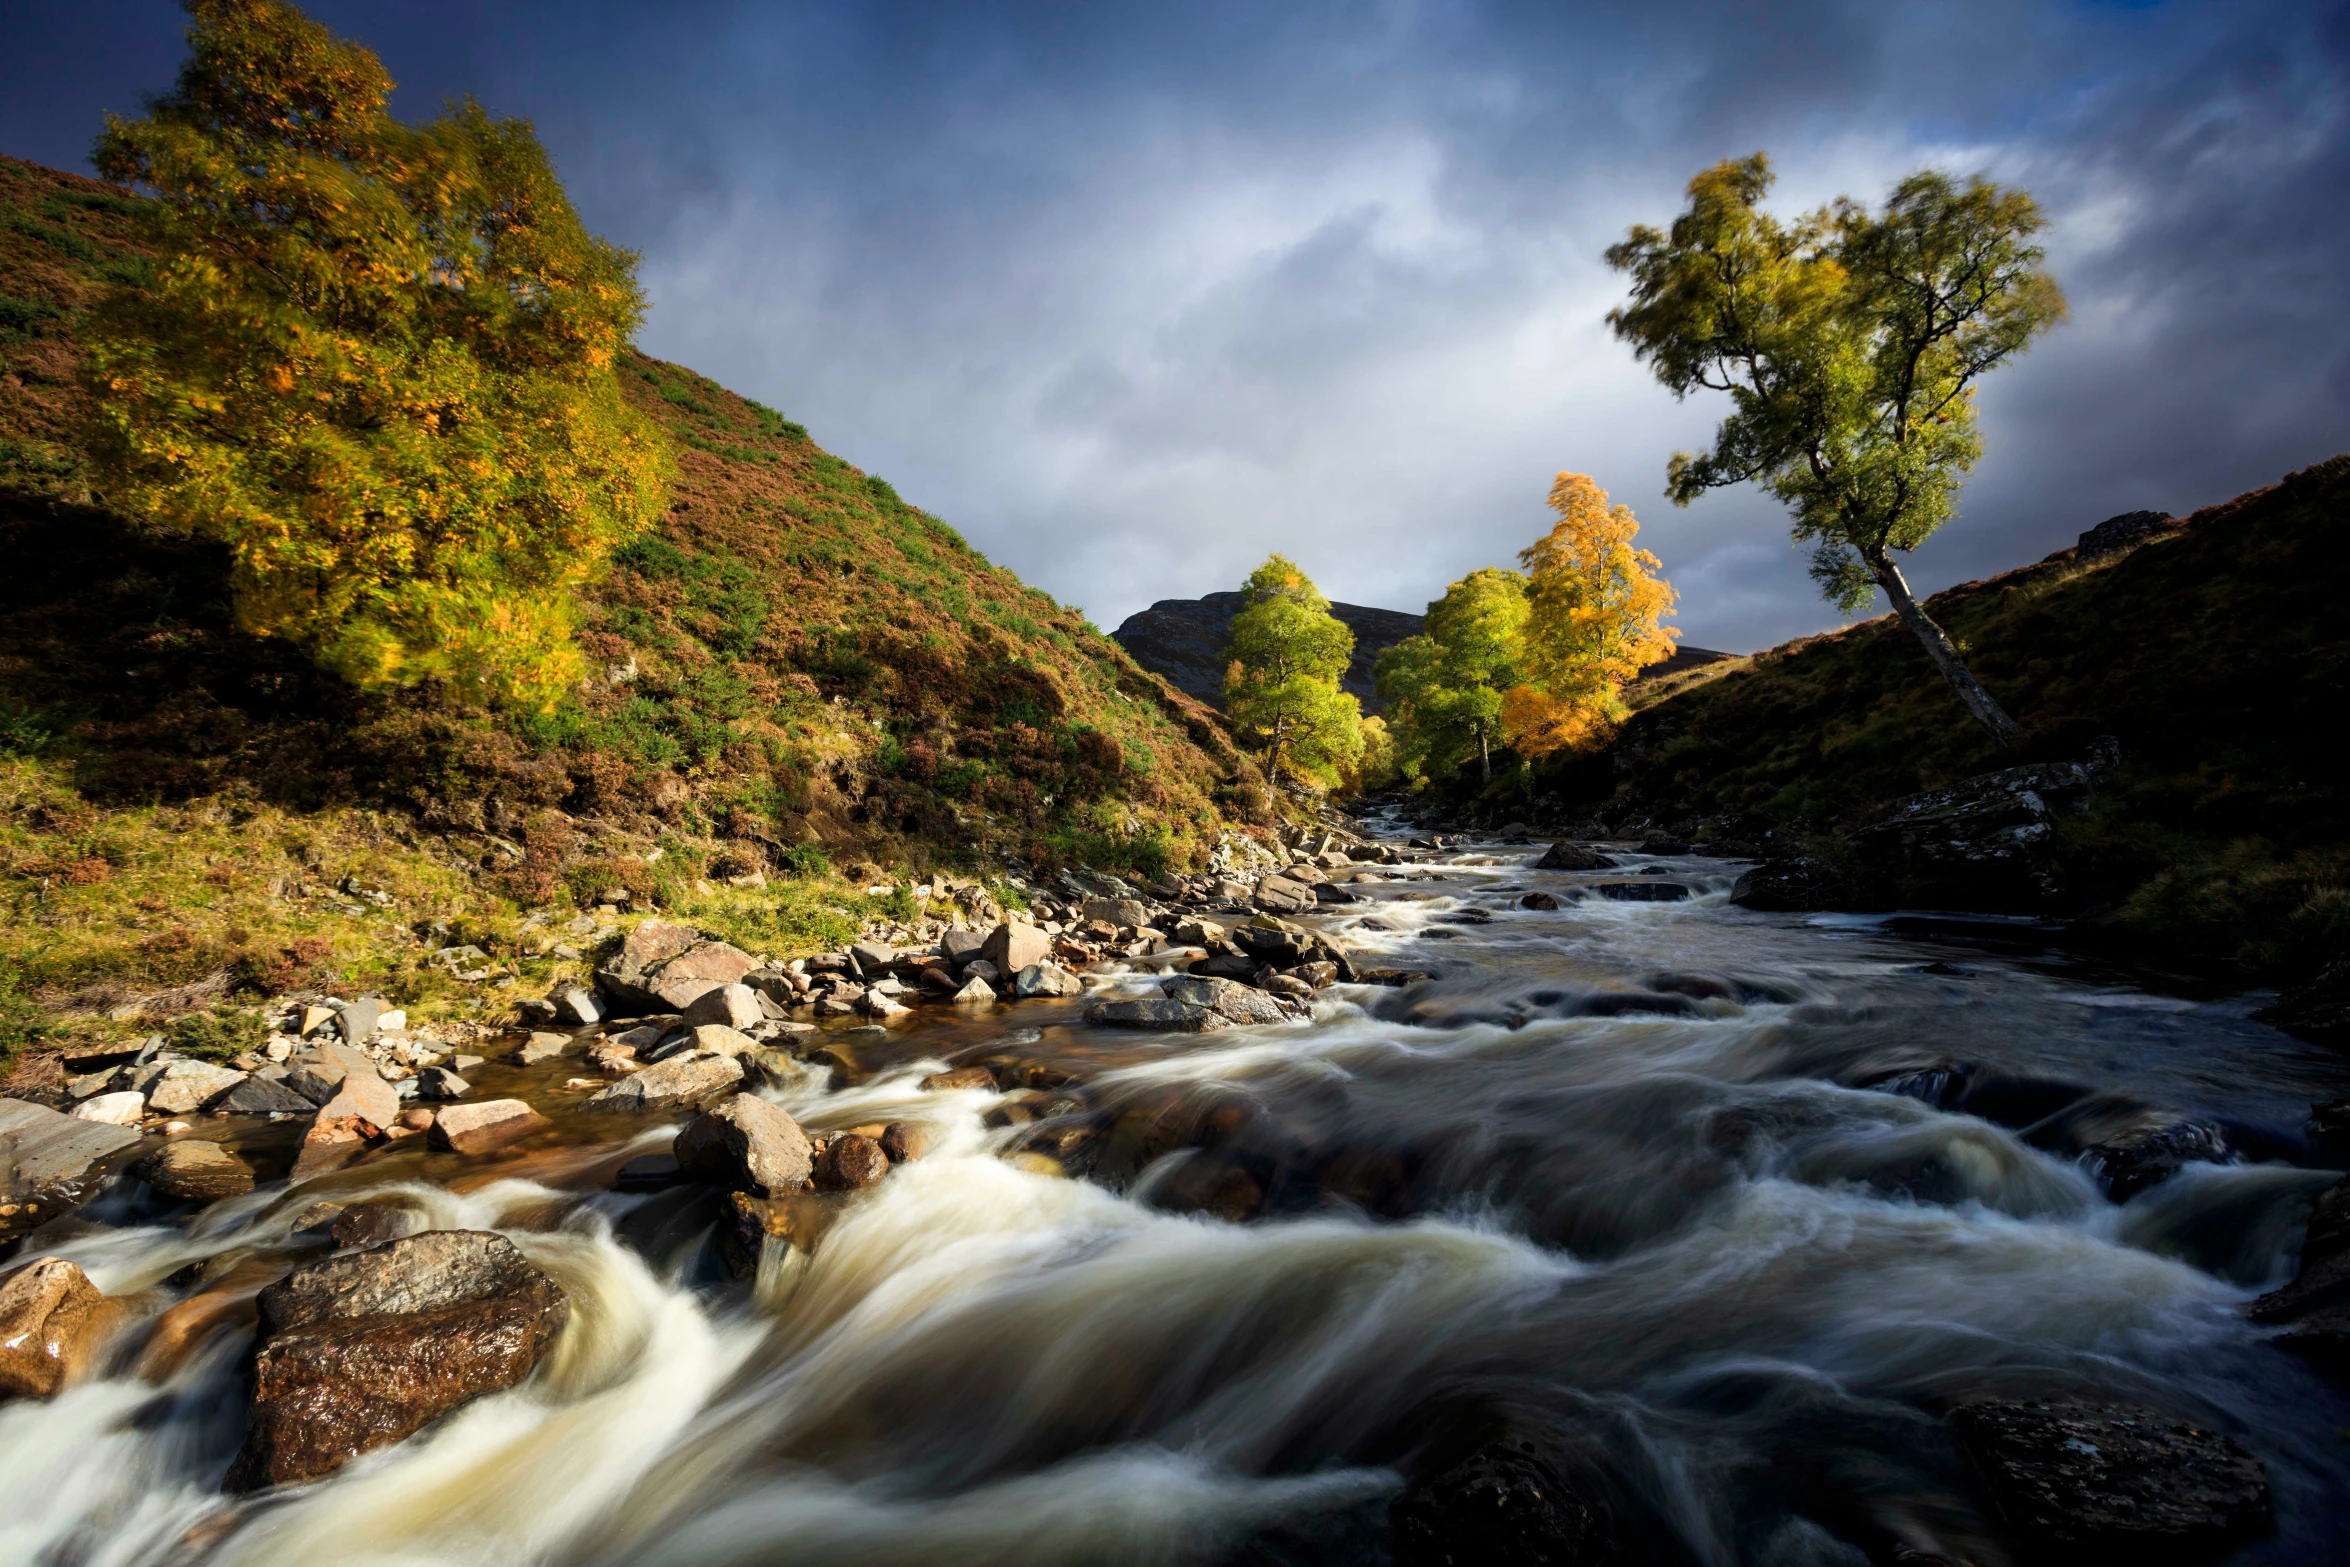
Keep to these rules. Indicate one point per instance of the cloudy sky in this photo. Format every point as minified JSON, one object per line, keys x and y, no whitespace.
{"x":1135,"y":293}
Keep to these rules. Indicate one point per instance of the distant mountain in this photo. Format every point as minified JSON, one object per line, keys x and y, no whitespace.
{"x":1183,"y":641}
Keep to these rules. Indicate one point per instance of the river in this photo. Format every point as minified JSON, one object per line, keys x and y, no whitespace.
{"x":1607,"y":1172}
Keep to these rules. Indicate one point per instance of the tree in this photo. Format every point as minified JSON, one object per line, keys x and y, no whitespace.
{"x":1281,"y":688}
{"x":1594,"y":613}
{"x":1445,"y":685}
{"x":377,"y":362}
{"x":1849,"y":343}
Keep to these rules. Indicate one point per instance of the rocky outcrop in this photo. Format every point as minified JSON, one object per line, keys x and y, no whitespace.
{"x":2111,"y":1479}
{"x":52,"y":1322}
{"x":1565,"y":856}
{"x":1237,"y":1002}
{"x":1982,"y":844}
{"x":2314,"y":1310}
{"x":662,"y":967}
{"x":367,"y":1348}
{"x":2119,"y":535}
{"x":1184,"y":641}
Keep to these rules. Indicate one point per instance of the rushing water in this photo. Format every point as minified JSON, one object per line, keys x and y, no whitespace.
{"x":1601,"y":1173}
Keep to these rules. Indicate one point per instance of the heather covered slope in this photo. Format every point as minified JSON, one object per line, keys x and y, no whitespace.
{"x":2218,"y":653}
{"x":795,"y":659}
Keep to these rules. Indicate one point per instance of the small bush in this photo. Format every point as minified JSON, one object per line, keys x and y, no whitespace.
{"x":804,"y":860}
{"x":22,"y":318}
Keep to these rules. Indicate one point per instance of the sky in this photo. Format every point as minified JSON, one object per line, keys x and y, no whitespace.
{"x":1134,"y":294}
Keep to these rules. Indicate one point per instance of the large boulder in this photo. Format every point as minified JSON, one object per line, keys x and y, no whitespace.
{"x":1013,"y":945}
{"x":366,"y":1348}
{"x":2119,"y":535}
{"x":193,"y":1170}
{"x":1045,"y":979}
{"x":682,"y":1079}
{"x":1130,"y":912}
{"x":52,"y":1321}
{"x":1162,"y":1013}
{"x":1237,"y":1002}
{"x":50,"y":1163}
{"x":259,"y":1095}
{"x":1799,"y":884}
{"x":2317,"y":1009}
{"x":1511,"y":1500}
{"x":485,"y":1125}
{"x":1565,"y":856}
{"x":2105,"y":1478}
{"x":662,"y":967}
{"x":185,"y":1087}
{"x":1281,"y":895}
{"x":2314,"y":1310}
{"x":734,"y":1006}
{"x":746,"y":1145}
{"x":1984,"y":843}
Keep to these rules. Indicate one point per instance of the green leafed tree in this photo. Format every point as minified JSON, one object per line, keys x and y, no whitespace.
{"x":1287,"y":653}
{"x":1445,"y":686}
{"x":376,"y":362}
{"x":1849,"y":342}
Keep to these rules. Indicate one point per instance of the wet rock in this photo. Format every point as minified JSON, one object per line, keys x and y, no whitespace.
{"x":728,"y":1006}
{"x":748,"y":1223}
{"x":192,"y":1170}
{"x":2317,"y":1010}
{"x":681,"y":1079}
{"x":2108,"y":1477}
{"x":1162,"y":1013}
{"x":1983,"y":843}
{"x":1510,"y":1501}
{"x":364,"y":1100}
{"x":1045,"y":979}
{"x":2314,"y":1309}
{"x":542,"y":1047}
{"x":52,"y":1322}
{"x":1642,"y":891}
{"x":50,"y":1163}
{"x":961,"y":1077}
{"x":480,"y":1127}
{"x":904,"y":1140}
{"x":366,"y":1224}
{"x":1540,"y":901}
{"x":1799,"y":884}
{"x":259,"y":1095}
{"x":975,"y":994}
{"x":1396,"y":978}
{"x":850,"y":1161}
{"x":1012,"y":946}
{"x":1237,"y":1002}
{"x":1563,"y":856}
{"x":366,"y":1348}
{"x":439,"y":1083}
{"x":2132,"y":1162}
{"x":747,"y":1145}
{"x":188,"y":1086}
{"x":126,"y":1108}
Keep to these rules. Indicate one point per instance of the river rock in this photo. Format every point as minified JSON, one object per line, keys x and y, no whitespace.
{"x":2314,"y":1310}
{"x":366,"y":1348}
{"x":1983,"y":843}
{"x":52,"y":1322}
{"x":1157,"y":1012}
{"x":50,"y":1162}
{"x":192,"y":1170}
{"x":1563,"y":856}
{"x":542,"y":1047}
{"x":1641,"y":891}
{"x":2317,"y":1009}
{"x":576,"y":1005}
{"x":975,"y":993}
{"x":1013,"y":945}
{"x":746,"y":1224}
{"x":746,"y":1145}
{"x":118,"y":1109}
{"x":682,"y":1079}
{"x":1281,"y":895}
{"x":1131,"y":913}
{"x":2147,"y":1156}
{"x":625,"y":979}
{"x":488,"y":1124}
{"x":364,"y":1100}
{"x":1045,"y":979}
{"x":2110,"y":1478}
{"x":188,"y":1086}
{"x":850,"y":1161}
{"x":1235,"y":1001}
{"x":259,"y":1095}
{"x":978,"y":1077}
{"x":1799,"y":884}
{"x":904,"y":1140}
{"x":1509,"y":1501}
{"x":733,"y":1006}
{"x":1541,"y":902}
{"x":441,"y":1084}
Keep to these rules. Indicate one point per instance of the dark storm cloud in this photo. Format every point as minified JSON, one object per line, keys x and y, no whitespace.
{"x":1134,"y":294}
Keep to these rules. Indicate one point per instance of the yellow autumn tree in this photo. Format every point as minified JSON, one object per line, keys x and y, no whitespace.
{"x":1594,"y":620}
{"x":376,"y":362}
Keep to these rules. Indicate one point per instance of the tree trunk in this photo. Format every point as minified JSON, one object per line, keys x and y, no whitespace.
{"x":1985,"y":708}
{"x":1485,"y":756}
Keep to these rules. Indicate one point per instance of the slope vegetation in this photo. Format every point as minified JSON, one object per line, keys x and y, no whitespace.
{"x":2216,"y":652}
{"x":796,"y":669}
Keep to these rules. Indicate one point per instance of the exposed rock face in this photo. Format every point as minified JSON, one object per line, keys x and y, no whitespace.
{"x":2119,"y":535}
{"x":1507,"y":1502}
{"x":746,"y":1145}
{"x":1981,"y":844}
{"x":50,"y":1163}
{"x":2314,"y":1309}
{"x":193,"y":1170}
{"x":1237,"y":1002}
{"x":52,"y":1320}
{"x":1184,"y":640}
{"x":366,"y":1348}
{"x":2112,"y":1478}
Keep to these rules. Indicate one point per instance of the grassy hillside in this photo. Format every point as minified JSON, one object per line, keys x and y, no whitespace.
{"x":797,"y":670}
{"x":2218,"y":654}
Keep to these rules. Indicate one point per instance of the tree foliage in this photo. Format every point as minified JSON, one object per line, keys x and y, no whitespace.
{"x":1594,"y":619}
{"x":1445,"y":686}
{"x":1281,"y":687}
{"x":1849,"y":343}
{"x":375,"y":361}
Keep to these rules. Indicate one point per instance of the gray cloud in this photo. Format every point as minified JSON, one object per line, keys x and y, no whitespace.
{"x":1134,"y":295}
